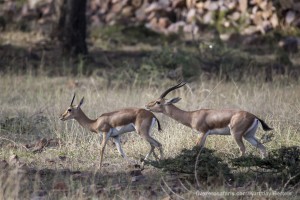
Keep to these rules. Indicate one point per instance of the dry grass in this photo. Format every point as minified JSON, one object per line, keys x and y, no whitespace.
{"x":30,"y":107}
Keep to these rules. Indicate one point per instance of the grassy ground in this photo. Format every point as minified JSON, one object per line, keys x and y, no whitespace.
{"x":30,"y":106}
{"x":45,"y":158}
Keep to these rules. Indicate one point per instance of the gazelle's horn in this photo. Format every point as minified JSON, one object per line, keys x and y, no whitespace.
{"x":73,"y":100}
{"x":172,"y":88}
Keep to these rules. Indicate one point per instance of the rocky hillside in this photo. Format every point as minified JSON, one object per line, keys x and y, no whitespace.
{"x":165,"y":16}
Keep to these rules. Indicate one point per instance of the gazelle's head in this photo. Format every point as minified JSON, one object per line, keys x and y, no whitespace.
{"x":72,"y":111}
{"x":159,"y":104}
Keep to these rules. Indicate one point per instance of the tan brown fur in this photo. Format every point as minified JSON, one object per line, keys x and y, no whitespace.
{"x":108,"y":122}
{"x":241,"y":124}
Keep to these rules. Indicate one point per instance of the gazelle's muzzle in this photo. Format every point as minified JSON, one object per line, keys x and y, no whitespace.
{"x":149,"y":105}
{"x":62,"y":117}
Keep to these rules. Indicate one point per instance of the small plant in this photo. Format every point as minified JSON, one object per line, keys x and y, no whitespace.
{"x":283,"y":162}
{"x":208,"y":164}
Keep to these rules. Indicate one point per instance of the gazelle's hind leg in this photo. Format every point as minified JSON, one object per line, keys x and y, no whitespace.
{"x":239,"y":140}
{"x":250,"y":137}
{"x":144,"y":130}
{"x":118,"y":145}
{"x":117,"y":142}
{"x":254,"y":141}
{"x":153,"y":143}
{"x":202,"y":138}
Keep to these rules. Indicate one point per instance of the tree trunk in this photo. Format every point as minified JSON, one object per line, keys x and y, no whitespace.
{"x":71,"y":29}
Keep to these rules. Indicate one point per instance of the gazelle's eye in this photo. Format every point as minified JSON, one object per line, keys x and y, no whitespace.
{"x":69,"y":110}
{"x":158,"y":102}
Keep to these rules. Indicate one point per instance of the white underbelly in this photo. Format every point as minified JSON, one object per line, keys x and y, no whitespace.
{"x":122,"y":129}
{"x":220,"y":131}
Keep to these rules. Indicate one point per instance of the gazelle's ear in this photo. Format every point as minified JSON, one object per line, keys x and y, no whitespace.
{"x":81,"y":102}
{"x":174,"y":100}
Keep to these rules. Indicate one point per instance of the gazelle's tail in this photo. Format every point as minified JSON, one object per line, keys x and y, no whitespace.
{"x":264,"y":125}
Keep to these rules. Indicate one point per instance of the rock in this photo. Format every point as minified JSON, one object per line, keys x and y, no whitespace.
{"x":62,"y":158}
{"x":290,"y":17}
{"x":40,"y":145}
{"x":235,"y":16}
{"x":135,"y":172}
{"x":117,"y":7}
{"x":190,"y":28}
{"x":200,"y":6}
{"x":191,"y":15}
{"x":127,"y":11}
{"x":208,"y":18}
{"x":257,"y":18}
{"x":154,"y":7}
{"x":163,"y":22}
{"x":211,"y":5}
{"x":243,"y":5}
{"x":286,"y":4}
{"x":262,"y":4}
{"x":80,"y":176}
{"x":137,"y":3}
{"x":137,"y":178}
{"x":164,"y":3}
{"x":296,"y":6}
{"x":60,"y":186}
{"x":140,"y":13}
{"x":274,"y":20}
{"x":14,"y":159}
{"x":178,"y":3}
{"x":175,"y":27}
{"x":136,"y":175}
{"x":190,"y":3}
{"x":289,"y":44}
{"x":39,"y":195}
{"x":3,"y":164}
{"x":250,"y":30}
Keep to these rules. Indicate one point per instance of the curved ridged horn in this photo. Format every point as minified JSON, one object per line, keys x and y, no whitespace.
{"x":73,"y":100}
{"x":172,"y":88}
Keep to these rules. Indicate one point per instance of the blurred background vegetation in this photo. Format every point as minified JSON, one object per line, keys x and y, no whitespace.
{"x":180,"y":39}
{"x":240,"y":54}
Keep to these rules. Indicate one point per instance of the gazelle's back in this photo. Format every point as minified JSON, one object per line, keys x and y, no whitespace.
{"x":126,"y":116}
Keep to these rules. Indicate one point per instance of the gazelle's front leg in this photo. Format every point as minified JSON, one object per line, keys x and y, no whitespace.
{"x":106,"y":136}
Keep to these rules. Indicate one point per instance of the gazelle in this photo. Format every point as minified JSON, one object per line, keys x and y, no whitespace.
{"x":114,"y":124}
{"x":240,"y":124}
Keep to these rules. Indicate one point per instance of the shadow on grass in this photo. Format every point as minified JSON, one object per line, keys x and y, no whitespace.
{"x":280,"y":170}
{"x":59,"y":183}
{"x":209,"y":166}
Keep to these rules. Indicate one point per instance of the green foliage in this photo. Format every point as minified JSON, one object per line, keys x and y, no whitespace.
{"x":23,"y":124}
{"x":127,"y":35}
{"x":223,"y":61}
{"x":170,"y":58}
{"x":285,"y":162}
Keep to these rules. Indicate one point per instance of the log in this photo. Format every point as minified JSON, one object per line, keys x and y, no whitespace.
{"x":127,"y":11}
{"x":137,"y":3}
{"x":274,"y":20}
{"x":243,"y":5}
{"x":117,"y":7}
{"x":290,"y":17}
{"x":178,"y":3}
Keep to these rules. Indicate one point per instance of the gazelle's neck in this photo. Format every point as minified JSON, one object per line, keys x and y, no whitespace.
{"x":178,"y":114}
{"x":86,"y":122}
